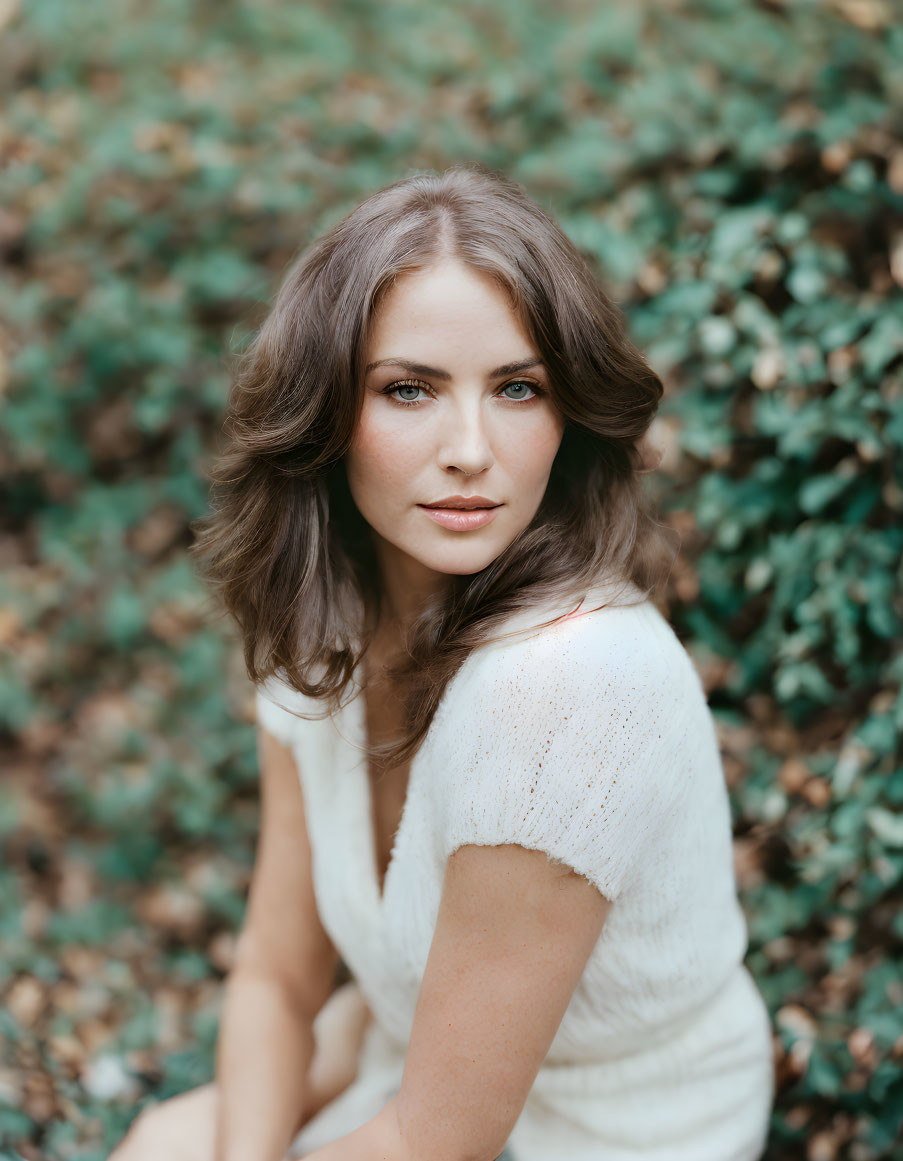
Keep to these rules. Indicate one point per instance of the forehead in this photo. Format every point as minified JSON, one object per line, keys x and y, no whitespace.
{"x":450,"y":308}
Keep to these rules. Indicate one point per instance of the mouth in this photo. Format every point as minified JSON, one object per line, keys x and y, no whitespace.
{"x":461,"y":519}
{"x":465,"y":503}
{"x":460,"y":507}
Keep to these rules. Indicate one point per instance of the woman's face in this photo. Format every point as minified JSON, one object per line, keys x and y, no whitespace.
{"x":455,"y":404}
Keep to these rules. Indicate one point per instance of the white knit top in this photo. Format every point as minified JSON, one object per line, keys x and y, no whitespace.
{"x":590,"y":739}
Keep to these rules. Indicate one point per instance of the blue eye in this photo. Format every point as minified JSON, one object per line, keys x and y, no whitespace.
{"x":410,"y":383}
{"x":522,"y":383}
{"x":418,"y":385}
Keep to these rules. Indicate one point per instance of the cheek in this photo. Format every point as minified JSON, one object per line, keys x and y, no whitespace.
{"x":382,"y":452}
{"x":529,"y":452}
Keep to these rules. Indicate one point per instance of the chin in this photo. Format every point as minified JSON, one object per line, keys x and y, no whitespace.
{"x":460,"y":562}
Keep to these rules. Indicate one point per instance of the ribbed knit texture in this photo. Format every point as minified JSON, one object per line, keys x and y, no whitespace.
{"x":591,"y":740}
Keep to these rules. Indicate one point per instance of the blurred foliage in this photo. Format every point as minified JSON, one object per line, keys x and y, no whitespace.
{"x":735,"y":169}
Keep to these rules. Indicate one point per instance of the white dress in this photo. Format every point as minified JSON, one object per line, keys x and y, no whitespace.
{"x":592,"y":740}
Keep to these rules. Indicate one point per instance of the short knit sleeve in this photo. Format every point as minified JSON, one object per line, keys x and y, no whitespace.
{"x":566,"y":742}
{"x":277,"y":704}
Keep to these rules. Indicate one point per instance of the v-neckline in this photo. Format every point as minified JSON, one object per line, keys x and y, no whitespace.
{"x":365,"y":804}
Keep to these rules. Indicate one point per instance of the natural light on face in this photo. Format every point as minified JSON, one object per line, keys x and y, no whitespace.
{"x":460,"y":424}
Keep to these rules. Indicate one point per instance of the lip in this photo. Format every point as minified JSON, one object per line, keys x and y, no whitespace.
{"x":460,"y":519}
{"x":462,"y":502}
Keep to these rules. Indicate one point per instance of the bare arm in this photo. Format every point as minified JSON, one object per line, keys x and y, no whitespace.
{"x":265,"y":1049}
{"x":283,"y":975}
{"x":512,"y":938}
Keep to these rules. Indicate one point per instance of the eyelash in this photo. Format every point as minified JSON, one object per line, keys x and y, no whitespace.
{"x":393,"y":387}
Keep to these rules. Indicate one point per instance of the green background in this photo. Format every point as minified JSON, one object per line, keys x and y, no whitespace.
{"x":735,"y":170}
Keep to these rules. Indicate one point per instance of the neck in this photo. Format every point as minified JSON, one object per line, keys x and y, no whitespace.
{"x":407,"y":587}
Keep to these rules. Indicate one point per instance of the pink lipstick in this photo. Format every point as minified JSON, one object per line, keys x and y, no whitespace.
{"x":461,"y":519}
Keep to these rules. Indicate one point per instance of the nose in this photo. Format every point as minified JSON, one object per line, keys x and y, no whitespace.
{"x":464,"y":441}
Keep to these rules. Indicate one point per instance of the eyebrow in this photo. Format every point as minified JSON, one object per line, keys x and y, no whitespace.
{"x":436,"y":373}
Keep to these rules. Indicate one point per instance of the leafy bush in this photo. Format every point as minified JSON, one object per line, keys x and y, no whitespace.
{"x":736,"y":171}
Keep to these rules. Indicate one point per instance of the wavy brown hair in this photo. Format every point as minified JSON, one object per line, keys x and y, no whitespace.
{"x":284,"y":548}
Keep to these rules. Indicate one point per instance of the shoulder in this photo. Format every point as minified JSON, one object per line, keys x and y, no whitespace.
{"x":629,"y":652}
{"x":605,"y":694}
{"x":284,"y":711}
{"x":610,"y":698}
{"x":565,"y":740}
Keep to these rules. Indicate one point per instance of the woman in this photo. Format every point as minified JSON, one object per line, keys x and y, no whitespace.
{"x":491,"y":785}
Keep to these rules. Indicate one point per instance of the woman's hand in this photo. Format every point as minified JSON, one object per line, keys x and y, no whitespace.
{"x":183,"y":1128}
{"x":339,"y":1034}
